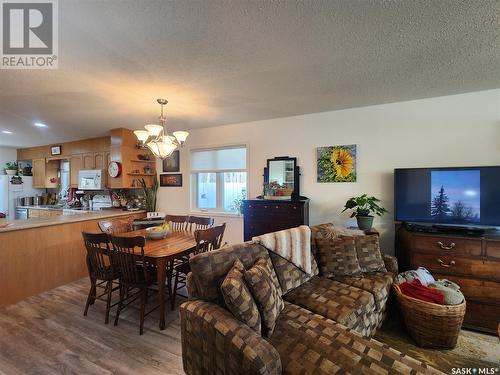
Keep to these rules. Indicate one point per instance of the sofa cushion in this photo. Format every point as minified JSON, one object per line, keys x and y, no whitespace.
{"x":369,"y":256}
{"x":311,"y":344}
{"x":348,"y":305}
{"x":289,"y":275}
{"x":238,"y":298}
{"x":337,"y":256}
{"x":209,"y":269}
{"x":377,"y":283}
{"x":266,"y":293}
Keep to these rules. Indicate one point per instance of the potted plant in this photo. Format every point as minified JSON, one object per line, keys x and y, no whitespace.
{"x":362,"y":207}
{"x":11,"y":168}
{"x":150,"y":194}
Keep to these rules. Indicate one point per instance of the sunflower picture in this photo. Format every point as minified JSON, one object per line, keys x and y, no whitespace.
{"x":337,"y":163}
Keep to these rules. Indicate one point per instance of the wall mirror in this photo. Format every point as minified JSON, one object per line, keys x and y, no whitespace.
{"x":281,"y":178}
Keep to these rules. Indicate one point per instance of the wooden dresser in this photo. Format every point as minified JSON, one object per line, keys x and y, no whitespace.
{"x":473,"y":262}
{"x":264,"y":215}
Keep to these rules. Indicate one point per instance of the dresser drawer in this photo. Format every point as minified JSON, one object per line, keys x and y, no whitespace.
{"x":493,"y":249}
{"x":475,"y":289}
{"x":444,"y":245}
{"x":437,"y":263}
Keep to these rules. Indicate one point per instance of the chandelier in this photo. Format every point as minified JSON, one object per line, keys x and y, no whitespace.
{"x":156,"y":137}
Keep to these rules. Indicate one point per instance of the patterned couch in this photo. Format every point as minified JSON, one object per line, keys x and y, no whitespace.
{"x":325,"y":327}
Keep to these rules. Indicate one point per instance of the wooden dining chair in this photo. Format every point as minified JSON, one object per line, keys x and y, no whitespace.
{"x":135,"y":274}
{"x":101,"y":269}
{"x":116,"y":226}
{"x":199,"y":222}
{"x":177,"y":222}
{"x":206,"y":240}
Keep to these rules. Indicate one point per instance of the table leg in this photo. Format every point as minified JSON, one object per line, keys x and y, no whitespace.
{"x":161,"y":275}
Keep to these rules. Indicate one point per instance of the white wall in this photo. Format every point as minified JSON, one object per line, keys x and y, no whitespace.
{"x":459,"y":130}
{"x":7,"y":154}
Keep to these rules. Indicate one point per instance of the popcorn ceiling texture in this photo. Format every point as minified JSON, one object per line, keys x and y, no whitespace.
{"x":223,"y":62}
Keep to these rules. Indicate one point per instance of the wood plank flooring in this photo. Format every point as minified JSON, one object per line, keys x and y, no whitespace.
{"x":48,"y":334}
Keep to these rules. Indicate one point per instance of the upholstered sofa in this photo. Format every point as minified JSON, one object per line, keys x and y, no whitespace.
{"x":325,"y":327}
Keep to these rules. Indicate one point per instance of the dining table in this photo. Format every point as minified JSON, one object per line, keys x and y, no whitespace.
{"x":162,"y":253}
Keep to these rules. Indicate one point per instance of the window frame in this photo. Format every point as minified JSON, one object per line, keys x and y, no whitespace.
{"x":193,"y":181}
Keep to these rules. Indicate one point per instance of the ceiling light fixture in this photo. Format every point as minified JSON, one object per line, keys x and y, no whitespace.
{"x":156,"y":137}
{"x":6,"y":132}
{"x":40,"y":125}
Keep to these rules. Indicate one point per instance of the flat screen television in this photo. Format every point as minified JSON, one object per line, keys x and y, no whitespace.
{"x":465,"y":196}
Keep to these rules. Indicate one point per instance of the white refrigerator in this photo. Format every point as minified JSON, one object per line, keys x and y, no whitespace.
{"x":9,"y":192}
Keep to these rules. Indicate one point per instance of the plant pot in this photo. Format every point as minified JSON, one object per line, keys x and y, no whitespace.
{"x":11,"y":172}
{"x":365,"y":222}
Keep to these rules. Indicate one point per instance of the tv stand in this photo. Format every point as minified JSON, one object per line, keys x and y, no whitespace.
{"x":452,"y":229}
{"x":467,"y":257}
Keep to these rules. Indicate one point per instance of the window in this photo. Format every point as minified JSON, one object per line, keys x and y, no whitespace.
{"x":218,"y":179}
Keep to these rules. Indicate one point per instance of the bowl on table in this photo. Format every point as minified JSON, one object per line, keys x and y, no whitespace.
{"x":156,"y":233}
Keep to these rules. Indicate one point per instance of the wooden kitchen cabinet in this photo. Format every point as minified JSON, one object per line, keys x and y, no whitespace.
{"x":75,"y":164}
{"x":88,"y":161}
{"x":99,"y":160}
{"x":38,"y":171}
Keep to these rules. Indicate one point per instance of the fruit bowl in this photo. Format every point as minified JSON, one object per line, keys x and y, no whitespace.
{"x":156,"y":233}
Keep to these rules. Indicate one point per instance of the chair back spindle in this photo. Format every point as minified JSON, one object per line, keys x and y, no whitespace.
{"x":198,"y":222}
{"x":177,"y":222}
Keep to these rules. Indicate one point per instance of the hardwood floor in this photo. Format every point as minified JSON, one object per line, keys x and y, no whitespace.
{"x":48,"y":334}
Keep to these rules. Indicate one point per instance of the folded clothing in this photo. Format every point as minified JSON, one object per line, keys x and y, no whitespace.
{"x":450,"y":290}
{"x":416,"y":290}
{"x":421,"y":274}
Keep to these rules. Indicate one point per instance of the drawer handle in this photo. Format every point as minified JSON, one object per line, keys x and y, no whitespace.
{"x":444,"y":247}
{"x":442,"y":264}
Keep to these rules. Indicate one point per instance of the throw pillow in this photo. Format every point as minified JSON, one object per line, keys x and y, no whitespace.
{"x":337,"y":256}
{"x":369,"y":256}
{"x":238,"y":298}
{"x":266,"y":294}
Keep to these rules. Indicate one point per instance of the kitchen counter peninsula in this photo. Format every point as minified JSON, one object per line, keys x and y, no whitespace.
{"x":39,"y":254}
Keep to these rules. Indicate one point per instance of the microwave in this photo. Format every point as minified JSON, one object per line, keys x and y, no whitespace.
{"x":91,"y":179}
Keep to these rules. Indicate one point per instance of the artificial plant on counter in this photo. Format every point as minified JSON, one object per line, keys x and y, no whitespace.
{"x":150,"y":193}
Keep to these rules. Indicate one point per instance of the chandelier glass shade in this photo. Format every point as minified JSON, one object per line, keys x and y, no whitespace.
{"x":156,"y":137}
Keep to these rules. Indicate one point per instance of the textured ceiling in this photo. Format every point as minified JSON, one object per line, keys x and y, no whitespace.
{"x":220,"y":62}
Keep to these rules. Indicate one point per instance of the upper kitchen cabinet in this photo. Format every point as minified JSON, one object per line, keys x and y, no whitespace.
{"x":99,"y":160}
{"x":93,"y":160}
{"x":88,"y":161}
{"x":75,"y":165}
{"x":38,"y":172}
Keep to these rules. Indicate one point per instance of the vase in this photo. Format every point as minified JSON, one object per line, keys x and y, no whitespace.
{"x":11,"y":172}
{"x":365,"y":222}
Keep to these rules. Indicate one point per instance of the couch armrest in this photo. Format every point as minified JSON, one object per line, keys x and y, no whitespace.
{"x":391,"y":263}
{"x":214,"y":342}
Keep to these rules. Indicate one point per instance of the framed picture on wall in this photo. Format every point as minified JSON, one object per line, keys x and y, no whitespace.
{"x":336,"y":163}
{"x":171,"y":164}
{"x":55,"y":150}
{"x":174,"y":179}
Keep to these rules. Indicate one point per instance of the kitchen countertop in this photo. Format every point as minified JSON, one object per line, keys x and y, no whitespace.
{"x":62,"y":219}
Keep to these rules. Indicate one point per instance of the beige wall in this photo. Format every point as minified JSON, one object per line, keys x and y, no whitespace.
{"x":459,"y":130}
{"x":7,"y":154}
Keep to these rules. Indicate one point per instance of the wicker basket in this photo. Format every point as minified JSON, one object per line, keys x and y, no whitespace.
{"x":430,"y":324}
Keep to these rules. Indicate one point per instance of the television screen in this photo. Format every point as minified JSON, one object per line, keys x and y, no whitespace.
{"x":460,"y":196}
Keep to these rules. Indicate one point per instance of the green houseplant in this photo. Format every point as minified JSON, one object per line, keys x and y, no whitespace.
{"x":11,"y":168}
{"x":150,"y":193}
{"x":362,"y":207}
